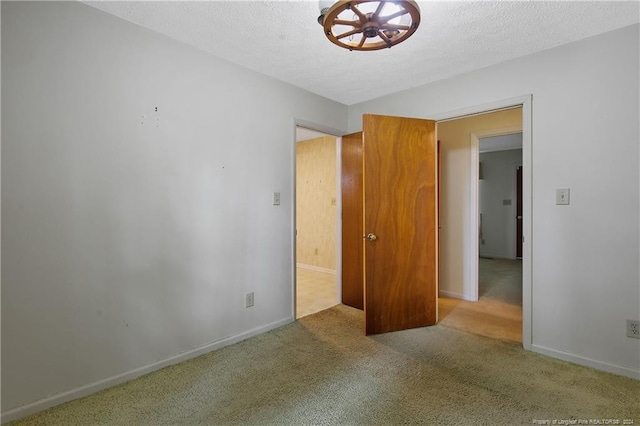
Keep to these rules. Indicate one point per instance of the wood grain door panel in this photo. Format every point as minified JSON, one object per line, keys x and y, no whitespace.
{"x":352,"y":222}
{"x":400,"y":208}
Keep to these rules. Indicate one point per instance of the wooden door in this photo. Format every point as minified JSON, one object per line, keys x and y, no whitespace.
{"x":400,"y":222}
{"x":519,"y":212}
{"x":352,"y":224}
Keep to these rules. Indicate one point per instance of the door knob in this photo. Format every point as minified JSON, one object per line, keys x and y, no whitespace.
{"x":519,"y":217}
{"x":371,"y":236}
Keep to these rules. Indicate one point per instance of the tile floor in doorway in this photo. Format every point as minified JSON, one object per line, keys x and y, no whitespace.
{"x":315,"y":291}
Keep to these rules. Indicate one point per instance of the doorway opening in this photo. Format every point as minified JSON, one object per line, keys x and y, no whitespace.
{"x":481,"y":277}
{"x":316,"y":219}
{"x":466,"y":289}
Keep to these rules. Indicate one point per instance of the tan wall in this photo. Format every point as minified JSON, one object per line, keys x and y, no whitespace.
{"x":316,"y":202}
{"x":455,"y":139}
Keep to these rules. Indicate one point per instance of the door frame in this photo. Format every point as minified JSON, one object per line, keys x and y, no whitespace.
{"x":525,"y":102}
{"x":298,"y":122}
{"x":519,"y":196}
{"x":471,"y":285}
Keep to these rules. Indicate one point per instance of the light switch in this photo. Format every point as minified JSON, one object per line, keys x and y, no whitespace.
{"x":562,"y":196}
{"x":276,"y":198}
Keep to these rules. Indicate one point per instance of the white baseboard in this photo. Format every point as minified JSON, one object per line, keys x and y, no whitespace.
{"x":316,"y":268}
{"x":445,"y":293}
{"x":588,"y":362}
{"x":94,"y":387}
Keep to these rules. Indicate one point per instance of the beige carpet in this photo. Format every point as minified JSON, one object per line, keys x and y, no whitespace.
{"x":323,"y":370}
{"x":500,"y":280}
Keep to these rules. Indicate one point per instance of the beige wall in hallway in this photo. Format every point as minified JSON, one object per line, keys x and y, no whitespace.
{"x":316,"y":168}
{"x":455,"y":177}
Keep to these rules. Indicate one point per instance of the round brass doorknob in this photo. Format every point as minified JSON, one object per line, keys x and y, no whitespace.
{"x":371,"y":236}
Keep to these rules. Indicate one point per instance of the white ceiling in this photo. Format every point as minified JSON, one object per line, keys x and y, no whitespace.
{"x":282,"y":39}
{"x":501,"y":143}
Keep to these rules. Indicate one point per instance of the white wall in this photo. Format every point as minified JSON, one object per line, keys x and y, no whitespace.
{"x":585,"y":117}
{"x":498,"y":220}
{"x":130,"y":235}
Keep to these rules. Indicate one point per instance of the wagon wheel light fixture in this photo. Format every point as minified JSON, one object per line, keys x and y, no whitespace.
{"x":368,"y":24}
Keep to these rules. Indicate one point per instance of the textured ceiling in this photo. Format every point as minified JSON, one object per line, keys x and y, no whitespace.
{"x":282,"y":39}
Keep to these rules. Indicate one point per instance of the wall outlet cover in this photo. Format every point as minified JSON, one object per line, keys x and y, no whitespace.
{"x":633,"y":328}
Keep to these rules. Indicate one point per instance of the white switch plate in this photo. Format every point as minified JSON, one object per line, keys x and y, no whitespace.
{"x":276,"y":198}
{"x":562,"y":196}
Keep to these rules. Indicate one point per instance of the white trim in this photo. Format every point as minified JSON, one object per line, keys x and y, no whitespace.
{"x":527,"y":222}
{"x":294,"y":231}
{"x":451,"y":295}
{"x":504,"y":105}
{"x":527,"y":193}
{"x":94,"y":387}
{"x":588,"y":362}
{"x":316,"y":268}
{"x":471,"y":262}
{"x":338,"y":219}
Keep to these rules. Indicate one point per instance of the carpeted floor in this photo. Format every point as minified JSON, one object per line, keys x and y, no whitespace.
{"x":500,"y":280}
{"x":323,"y":370}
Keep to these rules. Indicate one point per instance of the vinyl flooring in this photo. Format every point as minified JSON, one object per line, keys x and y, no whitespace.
{"x":498,"y":311}
{"x":315,"y":291}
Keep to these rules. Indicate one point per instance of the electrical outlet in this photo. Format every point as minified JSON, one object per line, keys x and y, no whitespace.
{"x":249,"y":300}
{"x":633,"y":328}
